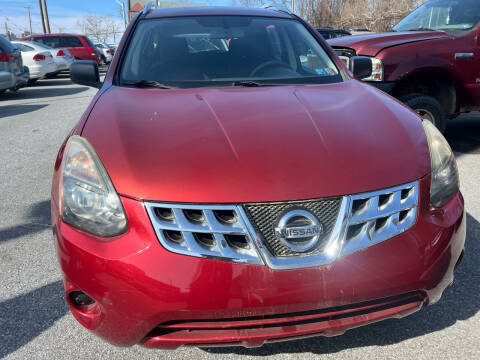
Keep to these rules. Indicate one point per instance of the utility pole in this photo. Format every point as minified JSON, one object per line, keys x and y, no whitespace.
{"x":41,"y":15}
{"x":122,"y":5}
{"x":29,"y":19}
{"x":293,"y":6}
{"x":7,"y":33}
{"x":46,"y":16}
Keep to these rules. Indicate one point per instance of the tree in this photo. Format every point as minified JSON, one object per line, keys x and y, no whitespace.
{"x":99,"y":28}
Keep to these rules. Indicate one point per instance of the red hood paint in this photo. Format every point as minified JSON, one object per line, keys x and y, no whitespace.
{"x":372,"y":44}
{"x":234,"y":145}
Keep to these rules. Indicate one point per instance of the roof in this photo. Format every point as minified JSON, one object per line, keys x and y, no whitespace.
{"x":216,"y":10}
{"x":59,"y":34}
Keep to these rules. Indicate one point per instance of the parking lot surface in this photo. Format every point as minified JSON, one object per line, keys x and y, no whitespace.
{"x":34,"y":319}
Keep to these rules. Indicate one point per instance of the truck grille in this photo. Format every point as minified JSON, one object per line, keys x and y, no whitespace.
{"x":345,"y":54}
{"x":265,"y":216}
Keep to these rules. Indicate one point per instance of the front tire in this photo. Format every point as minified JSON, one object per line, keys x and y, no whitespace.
{"x":428,"y":108}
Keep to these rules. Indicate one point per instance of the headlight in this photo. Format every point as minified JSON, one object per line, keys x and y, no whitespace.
{"x":88,"y":200}
{"x":445,"y":183}
{"x":377,"y":71}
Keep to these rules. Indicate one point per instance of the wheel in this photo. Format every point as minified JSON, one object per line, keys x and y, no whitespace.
{"x":428,"y":108}
{"x":2,"y":91}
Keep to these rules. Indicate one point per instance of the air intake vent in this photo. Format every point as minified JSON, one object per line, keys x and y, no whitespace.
{"x":215,"y":231}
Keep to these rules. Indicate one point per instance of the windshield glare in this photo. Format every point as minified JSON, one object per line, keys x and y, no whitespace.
{"x":212,"y":50}
{"x":442,"y":15}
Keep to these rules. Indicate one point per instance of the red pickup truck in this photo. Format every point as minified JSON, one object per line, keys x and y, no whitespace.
{"x":430,"y":60}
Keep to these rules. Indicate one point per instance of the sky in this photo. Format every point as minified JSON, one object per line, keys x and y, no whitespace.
{"x":63,"y":14}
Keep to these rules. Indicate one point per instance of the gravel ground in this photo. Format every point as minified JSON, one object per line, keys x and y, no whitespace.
{"x":35,"y":322}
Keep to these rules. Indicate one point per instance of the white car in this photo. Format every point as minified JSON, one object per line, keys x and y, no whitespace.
{"x":106,"y":51}
{"x":63,"y":57}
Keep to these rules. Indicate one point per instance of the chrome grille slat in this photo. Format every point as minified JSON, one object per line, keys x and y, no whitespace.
{"x":210,"y":225}
{"x":368,"y":235}
{"x":359,"y":221}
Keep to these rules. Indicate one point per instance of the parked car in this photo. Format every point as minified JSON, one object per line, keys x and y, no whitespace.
{"x":360,"y":31}
{"x":80,"y":46}
{"x":40,"y":63}
{"x":330,"y":33}
{"x":106,"y":51}
{"x":113,"y":46}
{"x":224,"y":195}
{"x":13,"y":74}
{"x":430,"y":61}
{"x":62,"y":57}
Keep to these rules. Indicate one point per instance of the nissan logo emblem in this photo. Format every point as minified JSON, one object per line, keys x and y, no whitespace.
{"x":299,"y":230}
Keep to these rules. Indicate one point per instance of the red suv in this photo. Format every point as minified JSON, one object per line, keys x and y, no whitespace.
{"x":232,"y":183}
{"x":80,"y":46}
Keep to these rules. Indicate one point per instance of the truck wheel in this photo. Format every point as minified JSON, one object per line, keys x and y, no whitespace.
{"x":428,"y":108}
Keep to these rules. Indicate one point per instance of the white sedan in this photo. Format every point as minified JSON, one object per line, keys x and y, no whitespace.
{"x":61,"y":57}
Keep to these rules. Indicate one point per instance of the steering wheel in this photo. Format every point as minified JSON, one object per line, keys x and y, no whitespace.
{"x":268,"y":64}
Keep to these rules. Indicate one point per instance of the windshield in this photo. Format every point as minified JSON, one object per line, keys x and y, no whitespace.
{"x":216,"y":50}
{"x":442,"y":15}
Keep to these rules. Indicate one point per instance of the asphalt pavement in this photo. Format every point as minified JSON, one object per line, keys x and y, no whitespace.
{"x":36,"y":324}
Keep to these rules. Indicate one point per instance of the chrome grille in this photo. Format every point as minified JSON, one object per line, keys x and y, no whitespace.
{"x":245,"y":233}
{"x":378,"y":216}
{"x":265,"y":216}
{"x":215,"y":231}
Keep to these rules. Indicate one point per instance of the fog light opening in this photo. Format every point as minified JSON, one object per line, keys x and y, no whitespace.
{"x":79,"y":298}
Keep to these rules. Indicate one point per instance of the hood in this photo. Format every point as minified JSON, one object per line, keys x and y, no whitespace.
{"x":234,"y":145}
{"x":372,"y":44}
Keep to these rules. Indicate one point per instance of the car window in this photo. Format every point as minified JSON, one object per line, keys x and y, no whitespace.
{"x":52,"y":41}
{"x":23,"y":47}
{"x":6,"y":45}
{"x":88,"y":41}
{"x":70,"y":41}
{"x":100,"y":46}
{"x":442,"y":15}
{"x":215,"y":50}
{"x":44,"y":46}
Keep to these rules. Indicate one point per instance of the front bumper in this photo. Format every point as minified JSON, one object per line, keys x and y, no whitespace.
{"x":146,"y":294}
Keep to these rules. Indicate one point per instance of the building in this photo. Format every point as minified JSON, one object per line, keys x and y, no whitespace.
{"x":138,"y":5}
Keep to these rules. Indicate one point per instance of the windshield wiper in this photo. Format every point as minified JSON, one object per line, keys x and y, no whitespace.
{"x":249,"y":83}
{"x":148,"y":84}
{"x":421,"y":29}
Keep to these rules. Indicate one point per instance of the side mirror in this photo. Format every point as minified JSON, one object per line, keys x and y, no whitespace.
{"x":361,"y":66}
{"x":85,"y":72}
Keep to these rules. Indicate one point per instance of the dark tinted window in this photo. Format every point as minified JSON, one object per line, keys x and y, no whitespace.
{"x":5,"y":45}
{"x":52,"y":41}
{"x":216,"y":50}
{"x":70,"y":41}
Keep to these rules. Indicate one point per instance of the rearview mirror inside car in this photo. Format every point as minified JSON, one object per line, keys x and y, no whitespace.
{"x":361,"y":67}
{"x":85,"y":72}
